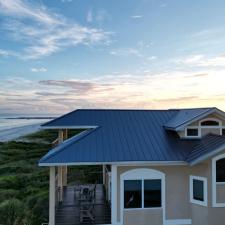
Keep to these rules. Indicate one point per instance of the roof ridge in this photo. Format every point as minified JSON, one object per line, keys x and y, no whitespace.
{"x":207,"y":110}
{"x":60,"y":117}
{"x":125,"y":109}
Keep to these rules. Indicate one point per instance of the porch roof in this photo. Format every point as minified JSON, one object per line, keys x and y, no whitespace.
{"x":124,"y":136}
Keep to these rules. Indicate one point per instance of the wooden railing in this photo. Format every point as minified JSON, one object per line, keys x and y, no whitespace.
{"x":55,"y":142}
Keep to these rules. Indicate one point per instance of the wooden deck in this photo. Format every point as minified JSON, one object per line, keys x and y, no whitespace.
{"x":68,"y":212}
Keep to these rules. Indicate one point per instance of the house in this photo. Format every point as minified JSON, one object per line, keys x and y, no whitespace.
{"x":160,"y":167}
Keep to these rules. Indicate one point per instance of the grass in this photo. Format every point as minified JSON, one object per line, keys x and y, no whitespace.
{"x":24,"y":185}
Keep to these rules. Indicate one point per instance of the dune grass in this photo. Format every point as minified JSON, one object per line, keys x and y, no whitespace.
{"x":24,"y":185}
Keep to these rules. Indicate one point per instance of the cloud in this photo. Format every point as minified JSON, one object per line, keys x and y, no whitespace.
{"x":177,"y":89}
{"x":89,"y":16}
{"x":45,"y":32}
{"x":76,"y":85}
{"x":65,"y":1}
{"x":202,"y":61}
{"x":19,"y":8}
{"x":99,"y":16}
{"x":36,"y":70}
{"x":126,"y":52}
{"x":4,"y":53}
{"x":137,"y":16}
{"x":152,"y":57}
{"x":102,"y":16}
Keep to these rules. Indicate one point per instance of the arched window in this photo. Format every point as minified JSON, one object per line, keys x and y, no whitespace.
{"x":220,"y":170}
{"x":218,"y":181}
{"x":210,"y":122}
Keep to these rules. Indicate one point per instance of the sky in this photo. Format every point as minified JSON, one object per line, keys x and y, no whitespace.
{"x":61,"y":55}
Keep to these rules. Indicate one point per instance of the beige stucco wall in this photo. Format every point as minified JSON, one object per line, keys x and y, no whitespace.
{"x":177,"y":198}
{"x":177,"y":184}
{"x":143,"y":217}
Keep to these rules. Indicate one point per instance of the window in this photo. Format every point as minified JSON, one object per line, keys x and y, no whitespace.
{"x":210,"y":123}
{"x":198,"y":190}
{"x":192,"y":132}
{"x":218,"y":180}
{"x":220,"y":170}
{"x":132,"y":194}
{"x":149,"y":189}
{"x":152,"y":193}
{"x":223,"y":132}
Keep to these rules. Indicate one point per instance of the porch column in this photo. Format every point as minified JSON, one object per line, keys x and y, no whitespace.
{"x":52,"y":196}
{"x":60,"y":136}
{"x":114,"y":195}
{"x":60,"y":182}
{"x":63,"y":135}
{"x":103,"y":175}
{"x":64,"y":176}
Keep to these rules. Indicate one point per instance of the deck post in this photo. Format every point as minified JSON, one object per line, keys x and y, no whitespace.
{"x":60,"y":136}
{"x":103,"y":175}
{"x":52,"y":196}
{"x":63,"y":135}
{"x":114,"y":194}
{"x":64,"y":176}
{"x":60,"y":182}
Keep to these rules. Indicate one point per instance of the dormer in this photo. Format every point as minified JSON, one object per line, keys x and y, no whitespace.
{"x":197,"y":123}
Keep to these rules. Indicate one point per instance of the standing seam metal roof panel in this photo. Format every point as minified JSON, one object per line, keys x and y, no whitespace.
{"x":122,"y":135}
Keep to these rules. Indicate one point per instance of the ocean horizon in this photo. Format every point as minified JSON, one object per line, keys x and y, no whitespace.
{"x":8,"y":121}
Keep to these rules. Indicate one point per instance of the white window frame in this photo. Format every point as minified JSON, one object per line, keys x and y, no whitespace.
{"x":215,"y":183}
{"x":142,"y":195}
{"x":193,"y":127}
{"x":142,"y":174}
{"x":199,"y":127}
{"x":205,"y":190}
{"x":210,"y":119}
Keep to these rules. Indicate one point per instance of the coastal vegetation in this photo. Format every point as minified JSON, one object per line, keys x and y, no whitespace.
{"x":23,"y":185}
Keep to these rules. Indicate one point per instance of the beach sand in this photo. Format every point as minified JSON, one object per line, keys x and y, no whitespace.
{"x":17,"y":132}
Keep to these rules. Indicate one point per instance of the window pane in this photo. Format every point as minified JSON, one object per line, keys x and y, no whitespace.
{"x":198,"y":190}
{"x":220,"y":170}
{"x":223,"y":132}
{"x":210,"y":123}
{"x":152,"y":193}
{"x":132,"y":194}
{"x":192,"y":132}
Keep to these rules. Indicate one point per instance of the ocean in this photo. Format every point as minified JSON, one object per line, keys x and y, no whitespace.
{"x":13,"y":121}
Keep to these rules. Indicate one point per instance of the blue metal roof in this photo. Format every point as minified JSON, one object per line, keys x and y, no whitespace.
{"x":130,"y":135}
{"x":185,"y":116}
{"x":120,"y":136}
{"x":207,"y":146}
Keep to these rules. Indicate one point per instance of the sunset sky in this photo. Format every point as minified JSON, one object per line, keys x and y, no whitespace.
{"x":60,"y":55}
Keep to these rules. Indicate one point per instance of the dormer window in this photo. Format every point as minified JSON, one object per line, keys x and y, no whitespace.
{"x":205,"y":127}
{"x":192,"y":132}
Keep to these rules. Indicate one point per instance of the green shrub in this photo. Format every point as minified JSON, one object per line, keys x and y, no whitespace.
{"x":12,"y":212}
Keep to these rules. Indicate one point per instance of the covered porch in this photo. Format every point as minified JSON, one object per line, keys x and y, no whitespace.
{"x":68,"y":212}
{"x":77,"y":203}
{"x":65,"y":204}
